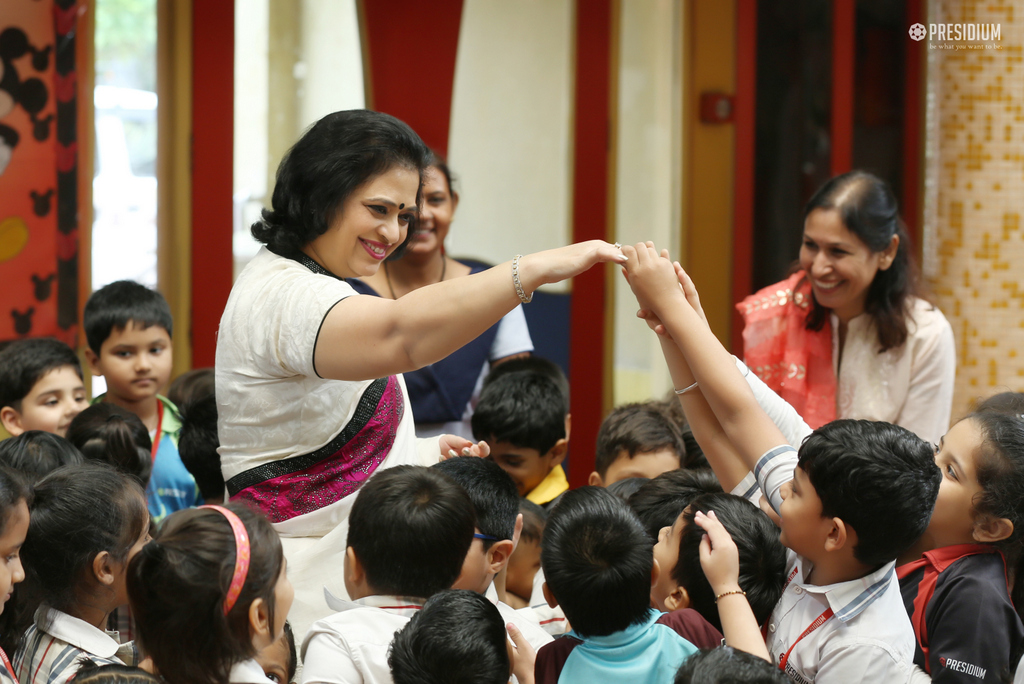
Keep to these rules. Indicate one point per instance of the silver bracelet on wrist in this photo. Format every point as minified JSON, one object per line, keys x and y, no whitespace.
{"x":686,"y":389}
{"x":515,"y":281}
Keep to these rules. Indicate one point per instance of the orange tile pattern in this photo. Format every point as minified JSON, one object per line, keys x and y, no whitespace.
{"x":974,"y":189}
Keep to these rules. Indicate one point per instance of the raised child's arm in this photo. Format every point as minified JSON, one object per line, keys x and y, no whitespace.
{"x":654,"y":282}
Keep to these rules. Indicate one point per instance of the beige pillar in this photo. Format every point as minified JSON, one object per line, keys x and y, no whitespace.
{"x":974,"y":193}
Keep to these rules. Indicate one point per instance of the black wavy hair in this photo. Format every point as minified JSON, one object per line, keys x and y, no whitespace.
{"x":868,"y":208}
{"x":336,"y":155}
{"x":198,"y":443}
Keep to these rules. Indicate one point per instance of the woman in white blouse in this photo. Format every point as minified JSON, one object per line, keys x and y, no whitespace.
{"x":848,"y":335}
{"x":310,"y":395}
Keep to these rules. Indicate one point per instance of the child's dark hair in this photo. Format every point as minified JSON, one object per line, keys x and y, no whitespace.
{"x":191,"y":386}
{"x":636,"y":429}
{"x":628,"y":487}
{"x":1004,"y":402}
{"x":1000,"y":473}
{"x":90,"y":672}
{"x":120,"y":303}
{"x":198,"y":443}
{"x":867,"y":207}
{"x":532,"y":364}
{"x":177,"y":585}
{"x":23,"y":363}
{"x":492,"y":491}
{"x":878,"y":478}
{"x":762,"y":556}
{"x":534,"y":520}
{"x":107,"y":433}
{"x":13,"y":622}
{"x":597,"y":562}
{"x":35,"y":453}
{"x":727,"y":665}
{"x":77,"y":513}
{"x":411,"y":512}
{"x":660,"y":501}
{"x":335,"y":155}
{"x":458,"y":637}
{"x":523,"y":408}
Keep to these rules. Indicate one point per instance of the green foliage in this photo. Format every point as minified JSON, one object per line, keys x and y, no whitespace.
{"x":126,"y":43}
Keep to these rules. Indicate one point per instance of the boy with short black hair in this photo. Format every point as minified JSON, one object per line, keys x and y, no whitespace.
{"x":636,"y":440}
{"x":856,"y":495}
{"x":524,"y":418}
{"x":128,"y":327}
{"x":197,"y":445}
{"x":762,"y":559}
{"x":408,"y":534}
{"x":659,"y":502}
{"x":41,"y":386}
{"x":457,"y":638}
{"x":599,"y":568}
{"x":496,"y":502}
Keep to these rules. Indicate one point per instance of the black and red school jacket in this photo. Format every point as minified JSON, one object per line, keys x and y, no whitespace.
{"x":965,"y":625}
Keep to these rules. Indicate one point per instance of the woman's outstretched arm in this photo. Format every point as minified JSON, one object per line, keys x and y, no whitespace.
{"x":367,"y":337}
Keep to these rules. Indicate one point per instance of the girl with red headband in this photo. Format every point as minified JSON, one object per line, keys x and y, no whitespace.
{"x":208,"y":594}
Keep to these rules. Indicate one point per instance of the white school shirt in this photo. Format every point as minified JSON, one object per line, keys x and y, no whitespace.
{"x":248,"y":672}
{"x":53,"y":656}
{"x":868,"y":639}
{"x":351,"y":646}
{"x":530,"y":628}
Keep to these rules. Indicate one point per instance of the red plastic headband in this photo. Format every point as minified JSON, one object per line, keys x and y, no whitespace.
{"x":242,"y":556}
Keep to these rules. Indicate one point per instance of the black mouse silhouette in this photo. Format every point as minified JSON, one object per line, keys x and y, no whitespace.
{"x":43,"y":286}
{"x":23,"y":321}
{"x":30,"y":93}
{"x":41,"y":203}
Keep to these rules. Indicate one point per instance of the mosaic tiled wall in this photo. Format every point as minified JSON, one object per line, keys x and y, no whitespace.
{"x":974,"y":190}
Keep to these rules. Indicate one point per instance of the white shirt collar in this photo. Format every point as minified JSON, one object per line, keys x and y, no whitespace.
{"x":400,"y":605}
{"x":76,"y":632}
{"x":848,"y":599}
{"x":248,"y":672}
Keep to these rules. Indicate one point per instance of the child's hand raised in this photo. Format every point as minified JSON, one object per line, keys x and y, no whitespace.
{"x":651,"y":276}
{"x":719,"y":556}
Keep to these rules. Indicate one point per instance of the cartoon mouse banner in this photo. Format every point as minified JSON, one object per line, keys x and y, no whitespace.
{"x":38,"y":170}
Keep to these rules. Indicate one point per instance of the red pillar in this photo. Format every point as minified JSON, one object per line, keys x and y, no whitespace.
{"x":745,"y":118}
{"x":213,"y":78}
{"x":410,"y":78}
{"x":844,"y":30}
{"x":592,"y":131}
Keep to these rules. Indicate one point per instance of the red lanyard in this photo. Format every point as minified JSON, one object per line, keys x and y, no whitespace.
{"x":7,"y":664}
{"x":822,"y":619}
{"x":159,"y":425}
{"x":818,"y":622}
